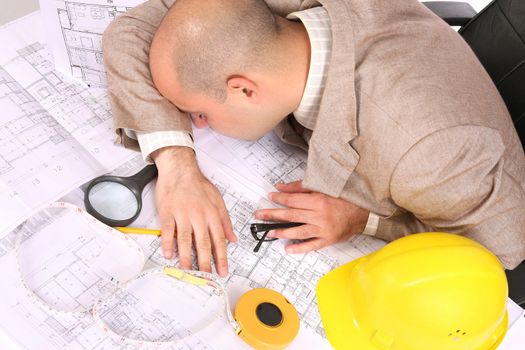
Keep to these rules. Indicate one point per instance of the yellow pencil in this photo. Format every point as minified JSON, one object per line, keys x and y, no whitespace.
{"x":138,"y":231}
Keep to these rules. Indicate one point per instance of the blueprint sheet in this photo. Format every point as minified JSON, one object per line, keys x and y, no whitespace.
{"x":55,"y":136}
{"x":55,"y":133}
{"x":75,"y":28}
{"x":74,"y":31}
{"x":148,"y":311}
{"x":80,"y":116}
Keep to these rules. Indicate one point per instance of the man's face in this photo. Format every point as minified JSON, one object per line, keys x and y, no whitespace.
{"x":249,"y":111}
{"x":239,"y":116}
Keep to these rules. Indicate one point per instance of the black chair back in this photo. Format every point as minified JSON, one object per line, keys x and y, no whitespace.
{"x":497,"y":36}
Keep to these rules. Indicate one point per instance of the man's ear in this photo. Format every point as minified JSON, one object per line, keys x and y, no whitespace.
{"x":242,"y":86}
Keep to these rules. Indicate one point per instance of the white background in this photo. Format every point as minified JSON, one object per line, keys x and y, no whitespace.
{"x":12,"y":9}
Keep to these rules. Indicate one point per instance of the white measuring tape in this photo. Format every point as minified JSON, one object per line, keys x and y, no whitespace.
{"x":196,"y":278}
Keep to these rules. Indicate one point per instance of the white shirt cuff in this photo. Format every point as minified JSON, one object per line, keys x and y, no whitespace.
{"x":130,"y":133}
{"x":152,"y":141}
{"x":371,"y":225}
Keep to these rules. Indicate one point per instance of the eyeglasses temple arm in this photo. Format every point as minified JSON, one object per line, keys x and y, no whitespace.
{"x":268,"y":227}
{"x":259,"y":244}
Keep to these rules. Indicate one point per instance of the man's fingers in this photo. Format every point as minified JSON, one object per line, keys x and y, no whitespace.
{"x":184,"y":244}
{"x":284,"y":214}
{"x":201,"y":219}
{"x":218,"y":241}
{"x":227,"y":224}
{"x":167,"y":231}
{"x":219,"y":244}
{"x":292,"y":187}
{"x":294,"y":200}
{"x":203,"y":246}
{"x":228,"y":231}
{"x":221,"y":256}
{"x":300,"y":232}
{"x":307,"y":246}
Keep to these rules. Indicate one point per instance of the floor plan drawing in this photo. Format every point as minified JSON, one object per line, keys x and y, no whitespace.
{"x":147,"y":313}
{"x":82,"y":27}
{"x":29,"y":133}
{"x":79,"y":25}
{"x":274,"y":160}
{"x":22,"y":112}
{"x":56,"y":137}
{"x":268,"y":158}
{"x":84,"y":113}
{"x":55,"y":133}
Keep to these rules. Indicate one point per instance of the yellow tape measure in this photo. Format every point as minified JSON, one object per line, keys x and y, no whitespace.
{"x":267,"y":320}
{"x":263,"y":318}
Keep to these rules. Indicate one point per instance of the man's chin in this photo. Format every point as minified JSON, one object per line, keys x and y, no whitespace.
{"x":251,"y":137}
{"x":252,"y":134}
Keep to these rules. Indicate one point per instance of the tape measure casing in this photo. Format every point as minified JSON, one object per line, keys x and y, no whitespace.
{"x":267,"y":320}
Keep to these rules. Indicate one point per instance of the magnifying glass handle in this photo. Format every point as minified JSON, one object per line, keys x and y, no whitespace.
{"x":143,"y":177}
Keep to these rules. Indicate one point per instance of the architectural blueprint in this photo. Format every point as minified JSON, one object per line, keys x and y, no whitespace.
{"x":75,"y":30}
{"x":147,"y":312}
{"x":55,"y":133}
{"x":78,"y":261}
{"x":268,"y":158}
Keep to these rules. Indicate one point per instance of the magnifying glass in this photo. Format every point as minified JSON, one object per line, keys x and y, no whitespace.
{"x":116,"y":200}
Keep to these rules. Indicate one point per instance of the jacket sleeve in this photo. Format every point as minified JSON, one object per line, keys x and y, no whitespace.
{"x":456,"y":180}
{"x":135,"y":102}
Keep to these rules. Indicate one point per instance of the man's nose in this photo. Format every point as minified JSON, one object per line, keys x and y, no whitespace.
{"x":200,"y":121}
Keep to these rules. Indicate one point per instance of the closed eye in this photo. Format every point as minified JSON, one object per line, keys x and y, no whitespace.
{"x":197,"y":115}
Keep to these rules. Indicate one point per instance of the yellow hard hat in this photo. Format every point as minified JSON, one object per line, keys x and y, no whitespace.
{"x":424,"y":291}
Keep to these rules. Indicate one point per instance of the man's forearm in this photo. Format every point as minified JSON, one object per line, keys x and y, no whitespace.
{"x":176,"y":161}
{"x":153,"y":141}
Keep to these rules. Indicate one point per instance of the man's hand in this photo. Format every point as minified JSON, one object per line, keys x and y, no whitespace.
{"x":190,"y":205}
{"x":327,"y":219}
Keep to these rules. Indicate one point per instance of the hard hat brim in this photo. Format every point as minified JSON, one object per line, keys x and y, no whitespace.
{"x":335,"y":307}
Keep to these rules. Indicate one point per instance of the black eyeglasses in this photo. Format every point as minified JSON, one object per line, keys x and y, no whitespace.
{"x":256,"y":230}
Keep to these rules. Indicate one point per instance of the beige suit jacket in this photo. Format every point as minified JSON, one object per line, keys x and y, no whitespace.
{"x":411,"y":127}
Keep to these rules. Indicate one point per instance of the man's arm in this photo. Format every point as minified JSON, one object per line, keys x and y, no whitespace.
{"x":327,"y":220}
{"x":193,"y":207}
{"x":454,"y":180}
{"x":138,"y":106}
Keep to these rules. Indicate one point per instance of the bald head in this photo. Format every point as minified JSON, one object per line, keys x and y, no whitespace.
{"x":209,"y":41}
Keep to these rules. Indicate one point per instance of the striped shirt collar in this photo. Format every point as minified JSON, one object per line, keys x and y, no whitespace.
{"x":317,"y":23}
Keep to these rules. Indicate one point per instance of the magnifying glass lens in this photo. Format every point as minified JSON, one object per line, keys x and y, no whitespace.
{"x":113,"y":200}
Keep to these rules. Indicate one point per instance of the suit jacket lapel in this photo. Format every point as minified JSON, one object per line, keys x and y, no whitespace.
{"x":331,"y":159}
